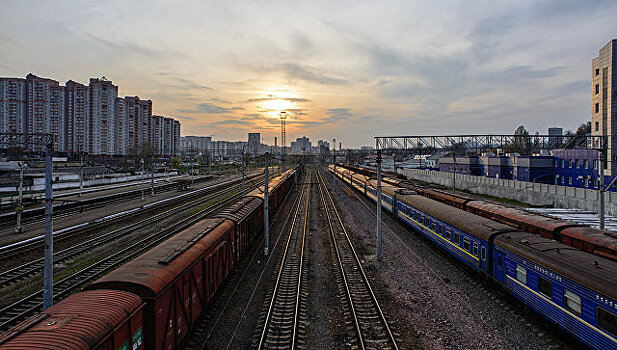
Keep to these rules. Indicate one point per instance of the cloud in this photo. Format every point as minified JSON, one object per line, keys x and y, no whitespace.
{"x":306,"y":73}
{"x":339,"y":113}
{"x":272,"y":97}
{"x":189,"y":84}
{"x":210,"y":108}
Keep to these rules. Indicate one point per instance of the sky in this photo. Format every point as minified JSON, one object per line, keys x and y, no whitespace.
{"x":349,"y":70}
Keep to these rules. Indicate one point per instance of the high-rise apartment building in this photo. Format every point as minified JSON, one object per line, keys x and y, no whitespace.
{"x":42,"y":113}
{"x":145,"y":118}
{"x":84,"y":119}
{"x":57,"y":117}
{"x":13,"y":105}
{"x":168,"y":127}
{"x":103,"y":96}
{"x":77,"y":114}
{"x":122,"y":127}
{"x":175,"y":138}
{"x":158,"y":129}
{"x":604,"y":103}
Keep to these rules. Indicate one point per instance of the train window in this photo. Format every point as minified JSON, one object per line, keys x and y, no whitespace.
{"x":457,"y":238}
{"x":448,"y":233}
{"x":466,"y":243}
{"x":500,"y":261}
{"x":572,"y":302}
{"x":475,"y":249}
{"x":607,"y":321}
{"x":521,"y":274}
{"x":434,"y":225}
{"x":483,"y":253}
{"x":441,"y":230}
{"x":545,"y":287}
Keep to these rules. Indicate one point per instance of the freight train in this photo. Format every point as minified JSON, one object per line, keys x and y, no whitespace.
{"x":589,"y":239}
{"x":574,"y":289}
{"x":153,"y":301}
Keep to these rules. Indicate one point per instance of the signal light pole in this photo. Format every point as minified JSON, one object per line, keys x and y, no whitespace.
{"x":266,"y":209}
{"x":379,"y":206}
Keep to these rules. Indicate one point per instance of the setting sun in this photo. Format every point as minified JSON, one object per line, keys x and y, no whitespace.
{"x":277,"y":105}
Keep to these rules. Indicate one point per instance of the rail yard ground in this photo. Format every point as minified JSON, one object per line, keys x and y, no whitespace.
{"x":321,"y":286}
{"x":81,"y":258}
{"x":429,"y":300}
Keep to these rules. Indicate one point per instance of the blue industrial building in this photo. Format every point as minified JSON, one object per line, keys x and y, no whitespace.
{"x":563,"y":167}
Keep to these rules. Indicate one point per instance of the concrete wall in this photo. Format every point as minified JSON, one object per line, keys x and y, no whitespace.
{"x":527,"y":192}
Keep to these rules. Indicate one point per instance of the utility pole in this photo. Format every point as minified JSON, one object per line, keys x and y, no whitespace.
{"x":48,"y":269}
{"x":152,"y":175}
{"x":81,"y":173}
{"x":334,"y":162}
{"x":242,"y":175}
{"x":20,"y":205}
{"x":454,"y":172}
{"x":141,"y":180}
{"x":192,"y":156}
{"x":378,"y":205}
{"x":266,"y":209}
{"x":283,"y":117}
{"x":602,"y":162}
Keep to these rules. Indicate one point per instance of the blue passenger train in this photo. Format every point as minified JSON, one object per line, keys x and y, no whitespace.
{"x":574,"y":289}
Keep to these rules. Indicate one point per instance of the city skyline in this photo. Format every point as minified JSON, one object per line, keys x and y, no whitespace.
{"x":228,"y":68}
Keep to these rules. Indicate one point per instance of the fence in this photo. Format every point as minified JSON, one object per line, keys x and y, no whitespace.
{"x":535,"y":194}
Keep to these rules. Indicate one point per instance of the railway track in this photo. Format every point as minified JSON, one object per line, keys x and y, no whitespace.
{"x":36,"y":244}
{"x":18,"y":311}
{"x":33,"y":267}
{"x":286,"y":307}
{"x":370,"y":325}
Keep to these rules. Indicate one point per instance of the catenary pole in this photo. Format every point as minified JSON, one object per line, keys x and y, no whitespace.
{"x":20,"y":204}
{"x":266,"y":218}
{"x":48,"y":277}
{"x":602,"y":163}
{"x":378,"y":205}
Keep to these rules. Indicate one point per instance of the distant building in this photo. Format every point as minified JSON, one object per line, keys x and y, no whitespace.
{"x":254,"y":144}
{"x":88,"y":119}
{"x":470,"y":165}
{"x":77,"y":117}
{"x":603,"y":105}
{"x":555,"y":138}
{"x":195,"y":144}
{"x":302,"y":144}
{"x":102,"y":137}
{"x":13,"y":104}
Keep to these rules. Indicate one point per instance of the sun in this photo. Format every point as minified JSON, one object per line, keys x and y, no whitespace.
{"x":277,"y":105}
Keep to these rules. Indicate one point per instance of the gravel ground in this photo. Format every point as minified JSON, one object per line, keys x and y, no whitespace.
{"x":327,"y":328}
{"x":435,"y":302}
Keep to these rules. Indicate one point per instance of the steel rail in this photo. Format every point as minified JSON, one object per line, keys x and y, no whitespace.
{"x":36,"y":243}
{"x":17,"y":311}
{"x":371,"y":293}
{"x":280,"y":276}
{"x":30,"y":268}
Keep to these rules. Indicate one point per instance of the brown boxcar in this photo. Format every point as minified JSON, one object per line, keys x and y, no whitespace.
{"x":176,"y":279}
{"x":98,"y":319}
{"x":247,"y":214}
{"x":593,"y":240}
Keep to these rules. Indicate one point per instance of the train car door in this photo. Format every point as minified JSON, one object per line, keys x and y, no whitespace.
{"x":499,"y":266}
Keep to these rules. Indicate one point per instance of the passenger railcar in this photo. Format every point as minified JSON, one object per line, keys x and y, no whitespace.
{"x":98,"y":319}
{"x":598,"y":242}
{"x":574,"y":289}
{"x":465,"y":236}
